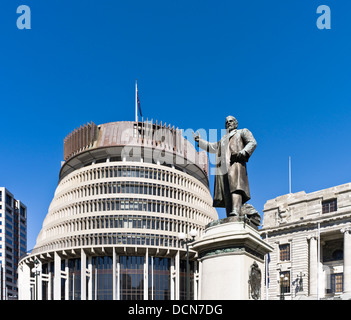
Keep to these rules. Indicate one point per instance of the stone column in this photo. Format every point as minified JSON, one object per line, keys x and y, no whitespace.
{"x":347,"y":260}
{"x":83,"y":275}
{"x":177,"y":276}
{"x":89,"y":276}
{"x":39,"y":280}
{"x":67,"y":282}
{"x":313,"y":266}
{"x":49,"y":281}
{"x":146,"y":275}
{"x":57,"y":276}
{"x":118,"y":274}
{"x":172,"y":270}
{"x":114,"y":274}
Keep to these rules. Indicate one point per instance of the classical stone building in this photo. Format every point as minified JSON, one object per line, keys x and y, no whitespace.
{"x":125,"y":192}
{"x":311,"y":240}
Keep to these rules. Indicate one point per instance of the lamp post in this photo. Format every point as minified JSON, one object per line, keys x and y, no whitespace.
{"x":36,"y":273}
{"x":183,"y":238}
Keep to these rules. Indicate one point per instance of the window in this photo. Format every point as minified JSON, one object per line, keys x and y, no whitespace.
{"x":131,"y":277}
{"x":23,"y":211}
{"x":329,"y":206}
{"x":336,"y":283}
{"x":284,"y":282}
{"x":284,"y":252}
{"x":8,"y":200}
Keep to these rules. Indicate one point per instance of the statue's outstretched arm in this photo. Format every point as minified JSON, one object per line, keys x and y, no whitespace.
{"x":205,"y":145}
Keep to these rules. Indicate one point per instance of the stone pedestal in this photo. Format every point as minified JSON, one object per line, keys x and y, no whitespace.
{"x":231,"y":254}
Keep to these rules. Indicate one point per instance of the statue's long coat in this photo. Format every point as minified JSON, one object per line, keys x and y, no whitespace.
{"x":230,"y":177}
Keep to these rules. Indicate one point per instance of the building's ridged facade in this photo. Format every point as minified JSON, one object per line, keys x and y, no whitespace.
{"x":125,"y":191}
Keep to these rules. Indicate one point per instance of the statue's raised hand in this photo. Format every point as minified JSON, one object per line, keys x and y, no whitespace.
{"x":196,"y":136}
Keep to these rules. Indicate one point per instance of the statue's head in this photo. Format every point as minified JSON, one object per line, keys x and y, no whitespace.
{"x":231,"y":123}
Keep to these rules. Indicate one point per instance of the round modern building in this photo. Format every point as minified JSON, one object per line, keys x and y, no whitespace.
{"x":125,"y":192}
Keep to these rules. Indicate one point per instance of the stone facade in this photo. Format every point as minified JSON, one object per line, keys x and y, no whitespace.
{"x":309,"y":233}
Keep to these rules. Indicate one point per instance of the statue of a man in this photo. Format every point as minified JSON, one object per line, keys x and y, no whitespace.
{"x":231,"y":188}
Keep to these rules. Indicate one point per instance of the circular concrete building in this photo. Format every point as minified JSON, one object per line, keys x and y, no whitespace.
{"x":125,"y":192}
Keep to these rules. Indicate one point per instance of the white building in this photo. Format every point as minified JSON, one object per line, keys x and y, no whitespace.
{"x":310,"y":234}
{"x":13,"y":242}
{"x":125,"y":192}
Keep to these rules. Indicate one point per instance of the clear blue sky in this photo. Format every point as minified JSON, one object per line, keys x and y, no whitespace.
{"x":196,"y":62}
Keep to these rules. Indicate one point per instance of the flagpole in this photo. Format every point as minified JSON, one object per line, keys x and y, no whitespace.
{"x":318,"y":256}
{"x":136,"y":101}
{"x":289,"y":174}
{"x":267,"y":261}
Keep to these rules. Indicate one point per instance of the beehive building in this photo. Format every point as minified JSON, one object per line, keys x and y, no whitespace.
{"x":125,"y":192}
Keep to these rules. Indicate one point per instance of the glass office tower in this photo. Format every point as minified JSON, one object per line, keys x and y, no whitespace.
{"x":13,"y":242}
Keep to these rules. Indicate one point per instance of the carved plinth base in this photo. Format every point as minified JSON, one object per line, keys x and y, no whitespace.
{"x":231,"y":255}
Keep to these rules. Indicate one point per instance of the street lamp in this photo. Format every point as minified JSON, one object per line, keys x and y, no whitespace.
{"x":182,"y":237}
{"x":36,"y":273}
{"x":282,"y":279}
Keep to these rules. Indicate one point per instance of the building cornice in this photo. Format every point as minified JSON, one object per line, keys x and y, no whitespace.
{"x":310,"y":222}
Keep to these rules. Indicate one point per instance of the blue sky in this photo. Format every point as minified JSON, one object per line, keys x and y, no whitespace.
{"x":265,"y":62}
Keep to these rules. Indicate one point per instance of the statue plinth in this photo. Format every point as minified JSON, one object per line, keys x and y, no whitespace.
{"x":231,"y":254}
{"x":243,"y":219}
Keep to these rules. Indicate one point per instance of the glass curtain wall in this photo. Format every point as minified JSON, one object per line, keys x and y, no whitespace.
{"x":182,"y":280}
{"x":45,"y":284}
{"x":74,"y":279}
{"x":131,"y":277}
{"x":159,"y":278}
{"x":102,"y":278}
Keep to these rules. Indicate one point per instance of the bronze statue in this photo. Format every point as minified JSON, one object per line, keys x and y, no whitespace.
{"x":231,"y":188}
